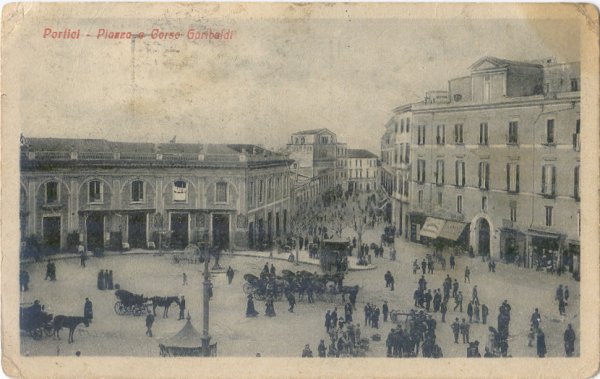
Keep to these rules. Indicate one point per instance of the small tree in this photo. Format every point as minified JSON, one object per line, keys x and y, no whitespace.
{"x":360,"y":209}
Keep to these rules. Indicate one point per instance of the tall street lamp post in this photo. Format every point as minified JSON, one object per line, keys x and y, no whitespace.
{"x":205,"y":308}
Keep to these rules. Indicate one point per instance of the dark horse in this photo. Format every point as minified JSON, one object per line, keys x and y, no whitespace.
{"x":70,"y":322}
{"x":158,"y":301}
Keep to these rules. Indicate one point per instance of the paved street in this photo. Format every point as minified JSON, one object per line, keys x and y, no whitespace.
{"x":286,"y":334}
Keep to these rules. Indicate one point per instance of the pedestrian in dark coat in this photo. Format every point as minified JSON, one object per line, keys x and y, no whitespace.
{"x":182,"y":308}
{"x":569,"y":339}
{"x":423,"y":266}
{"x":48,"y":271}
{"x":455,"y":288}
{"x":452,"y":262}
{"x":105,"y":275}
{"x":470,"y":311}
{"x":437,"y":300}
{"x":484,"y":313}
{"x":428,"y":299}
{"x":88,"y":312}
{"x":566,"y":295}
{"x":291,"y":301}
{"x":250,"y":310}
{"x":327,"y":320}
{"x":467,"y":274}
{"x":561,"y":307}
{"x":459,"y":301}
{"x":82,"y":259}
{"x":456,"y":329}
{"x":464,"y":330}
{"x":230,"y":274}
{"x":444,"y":309}
{"x":101,"y":280}
{"x":541,"y":344}
{"x":322,"y":349}
{"x":385,"y":310}
{"x":149,"y":322}
{"x":272,"y":269}
{"x":110,"y":280}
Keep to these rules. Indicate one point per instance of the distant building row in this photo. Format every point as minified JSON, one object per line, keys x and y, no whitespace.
{"x":321,"y":163}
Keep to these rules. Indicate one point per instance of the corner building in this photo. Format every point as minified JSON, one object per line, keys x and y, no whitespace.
{"x":107,"y":195}
{"x":495,"y":162}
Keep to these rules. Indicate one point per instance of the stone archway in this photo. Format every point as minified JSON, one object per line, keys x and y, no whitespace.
{"x":482,"y":238}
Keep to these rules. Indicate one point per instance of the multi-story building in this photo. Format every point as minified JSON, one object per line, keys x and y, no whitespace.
{"x":396,"y":168}
{"x":495,"y":161}
{"x":319,"y":162}
{"x":106,"y":194}
{"x":362,"y":170}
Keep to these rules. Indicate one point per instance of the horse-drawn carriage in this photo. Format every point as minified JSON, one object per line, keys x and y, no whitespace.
{"x":35,"y":321}
{"x":131,"y":304}
{"x":261,"y":288}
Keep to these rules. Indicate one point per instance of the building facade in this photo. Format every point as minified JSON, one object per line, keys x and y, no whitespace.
{"x":494,"y":162}
{"x":362,"y":170}
{"x":396,"y":168}
{"x":319,"y":163}
{"x":109,"y":195}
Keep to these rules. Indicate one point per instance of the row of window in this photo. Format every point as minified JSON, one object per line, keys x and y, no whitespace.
{"x":403,"y":123}
{"x":267,"y":189}
{"x":548,"y":182}
{"x":484,"y":207}
{"x":513,"y":134}
{"x":138,"y":194}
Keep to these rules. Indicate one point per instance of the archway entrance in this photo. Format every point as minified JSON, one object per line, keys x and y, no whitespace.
{"x":484,"y":237}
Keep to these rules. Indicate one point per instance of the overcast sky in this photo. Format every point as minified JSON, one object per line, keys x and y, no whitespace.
{"x":271,"y":79}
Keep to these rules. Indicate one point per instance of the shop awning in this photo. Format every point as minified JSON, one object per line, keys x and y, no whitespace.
{"x":432,"y":227}
{"x":452,"y":230}
{"x":544,"y":234}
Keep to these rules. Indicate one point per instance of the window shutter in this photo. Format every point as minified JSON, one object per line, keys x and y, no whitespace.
{"x":480,"y":172}
{"x":544,"y":179}
{"x":576,"y":183}
{"x":456,"y":172}
{"x":508,"y":177}
{"x":517,"y":178}
{"x":553,"y":180}
{"x":443,"y":172}
{"x":487,"y":176}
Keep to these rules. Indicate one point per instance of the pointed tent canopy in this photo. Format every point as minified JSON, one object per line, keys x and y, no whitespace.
{"x":187,"y":337}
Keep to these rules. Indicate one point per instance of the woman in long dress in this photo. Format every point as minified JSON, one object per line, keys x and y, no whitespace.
{"x":250,"y":311}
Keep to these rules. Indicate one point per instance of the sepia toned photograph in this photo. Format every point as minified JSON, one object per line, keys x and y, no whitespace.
{"x":348,"y":183}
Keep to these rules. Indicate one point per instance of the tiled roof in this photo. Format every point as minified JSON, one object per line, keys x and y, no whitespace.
{"x":60,"y":148}
{"x":360,"y":153}
{"x":313,"y":131}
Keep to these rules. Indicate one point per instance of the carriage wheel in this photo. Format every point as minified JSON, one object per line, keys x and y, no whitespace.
{"x":137,"y":311}
{"x":120,"y":308}
{"x":37,"y":333}
{"x":247,"y":288}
